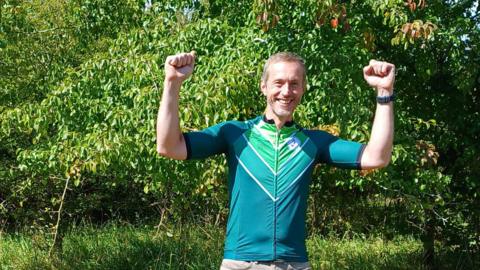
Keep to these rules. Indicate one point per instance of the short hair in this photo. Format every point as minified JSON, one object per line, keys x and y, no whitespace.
{"x":284,"y":57}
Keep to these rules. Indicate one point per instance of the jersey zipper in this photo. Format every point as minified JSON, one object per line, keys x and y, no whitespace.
{"x":277,"y":134}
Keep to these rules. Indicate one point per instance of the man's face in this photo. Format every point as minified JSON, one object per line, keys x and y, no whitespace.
{"x":283,"y":88}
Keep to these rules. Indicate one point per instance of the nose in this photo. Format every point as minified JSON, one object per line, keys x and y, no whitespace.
{"x":287,"y":89}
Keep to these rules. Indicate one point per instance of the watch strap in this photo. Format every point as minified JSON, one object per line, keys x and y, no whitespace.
{"x":386,"y":99}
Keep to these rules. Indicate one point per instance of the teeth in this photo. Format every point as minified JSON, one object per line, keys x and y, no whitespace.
{"x":284,"y":101}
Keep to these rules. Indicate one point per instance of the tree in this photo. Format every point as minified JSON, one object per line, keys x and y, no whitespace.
{"x":88,"y":115}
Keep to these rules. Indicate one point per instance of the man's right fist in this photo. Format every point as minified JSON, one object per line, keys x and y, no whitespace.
{"x":180,"y":66}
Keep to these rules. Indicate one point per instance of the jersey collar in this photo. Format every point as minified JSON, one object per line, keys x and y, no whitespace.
{"x":271,"y":121}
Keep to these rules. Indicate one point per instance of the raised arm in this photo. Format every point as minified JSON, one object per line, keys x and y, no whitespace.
{"x":170,"y":141}
{"x":377,"y":154}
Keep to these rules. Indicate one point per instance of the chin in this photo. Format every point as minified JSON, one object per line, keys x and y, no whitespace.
{"x":283,"y":113}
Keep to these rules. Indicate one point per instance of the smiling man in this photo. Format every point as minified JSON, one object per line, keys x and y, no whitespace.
{"x":271,"y":158}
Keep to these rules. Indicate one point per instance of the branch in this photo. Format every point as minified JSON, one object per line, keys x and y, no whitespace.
{"x":42,"y":31}
{"x":416,"y":226}
{"x":59,"y":213}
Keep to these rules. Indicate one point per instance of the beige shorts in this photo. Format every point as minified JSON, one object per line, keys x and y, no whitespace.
{"x":241,"y":265}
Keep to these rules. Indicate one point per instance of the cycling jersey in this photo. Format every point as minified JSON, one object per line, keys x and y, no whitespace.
{"x":268,"y":181}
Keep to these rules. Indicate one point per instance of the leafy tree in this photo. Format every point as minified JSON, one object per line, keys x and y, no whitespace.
{"x":79,"y":101}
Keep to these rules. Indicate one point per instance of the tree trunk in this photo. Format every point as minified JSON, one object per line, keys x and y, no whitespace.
{"x":428,"y":241}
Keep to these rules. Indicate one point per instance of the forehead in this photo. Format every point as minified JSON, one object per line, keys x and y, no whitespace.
{"x":285,"y":70}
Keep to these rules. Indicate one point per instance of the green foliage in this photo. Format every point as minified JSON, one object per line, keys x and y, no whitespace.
{"x":195,"y":247}
{"x":117,"y":247}
{"x":81,"y":81}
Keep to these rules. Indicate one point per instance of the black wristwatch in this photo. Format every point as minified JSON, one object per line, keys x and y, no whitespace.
{"x":386,"y":99}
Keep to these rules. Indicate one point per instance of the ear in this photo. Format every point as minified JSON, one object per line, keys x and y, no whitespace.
{"x":263,"y":88}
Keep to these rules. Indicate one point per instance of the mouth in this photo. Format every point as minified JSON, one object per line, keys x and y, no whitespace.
{"x":284,"y":101}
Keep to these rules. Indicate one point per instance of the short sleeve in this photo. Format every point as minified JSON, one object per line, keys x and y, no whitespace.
{"x":337,"y":152}
{"x":205,"y":143}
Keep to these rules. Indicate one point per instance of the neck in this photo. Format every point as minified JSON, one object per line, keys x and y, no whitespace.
{"x":279,"y":120}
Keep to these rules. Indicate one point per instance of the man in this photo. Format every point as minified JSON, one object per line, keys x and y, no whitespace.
{"x":271,"y":158}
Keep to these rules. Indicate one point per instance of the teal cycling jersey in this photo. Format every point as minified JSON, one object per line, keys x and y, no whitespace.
{"x":269,"y":174}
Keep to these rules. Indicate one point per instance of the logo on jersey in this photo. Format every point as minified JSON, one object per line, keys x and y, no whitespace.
{"x":293,"y":143}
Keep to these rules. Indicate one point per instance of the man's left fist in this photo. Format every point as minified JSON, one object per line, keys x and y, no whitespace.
{"x":380,"y":75}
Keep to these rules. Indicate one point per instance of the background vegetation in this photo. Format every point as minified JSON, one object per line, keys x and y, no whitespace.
{"x":194,"y":247}
{"x":80,"y":83}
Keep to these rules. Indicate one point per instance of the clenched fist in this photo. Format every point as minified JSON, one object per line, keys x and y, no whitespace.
{"x":380,"y":75}
{"x":179,"y":67}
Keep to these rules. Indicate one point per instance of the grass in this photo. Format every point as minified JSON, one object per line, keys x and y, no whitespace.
{"x":359,"y":253}
{"x":187,"y":247}
{"x":116,"y":247}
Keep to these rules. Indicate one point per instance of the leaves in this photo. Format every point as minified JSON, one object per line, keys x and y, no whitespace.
{"x":80,"y":90}
{"x":411,"y":32}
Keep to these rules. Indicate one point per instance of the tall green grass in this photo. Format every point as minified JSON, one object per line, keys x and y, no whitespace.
{"x":360,"y":253}
{"x":189,"y":247}
{"x":116,"y":247}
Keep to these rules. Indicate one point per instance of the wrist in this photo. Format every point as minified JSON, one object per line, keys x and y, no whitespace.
{"x":172,"y":84}
{"x":386,"y":99}
{"x":381,"y":92}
